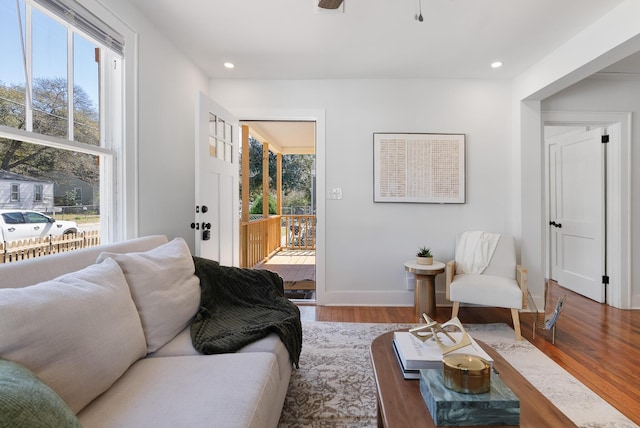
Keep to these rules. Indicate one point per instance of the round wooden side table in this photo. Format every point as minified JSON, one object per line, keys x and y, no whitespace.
{"x":425,"y":289}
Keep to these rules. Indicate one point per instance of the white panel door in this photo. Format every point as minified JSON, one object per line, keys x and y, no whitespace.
{"x":216,"y":183}
{"x":576,"y":216}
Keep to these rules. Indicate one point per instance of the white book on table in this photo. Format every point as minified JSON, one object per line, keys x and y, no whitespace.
{"x":407,"y":374}
{"x":414,"y":354}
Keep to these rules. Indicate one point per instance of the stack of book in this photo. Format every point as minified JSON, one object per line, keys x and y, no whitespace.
{"x":413,"y":354}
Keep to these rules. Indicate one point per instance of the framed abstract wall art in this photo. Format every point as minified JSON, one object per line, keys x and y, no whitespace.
{"x":419,"y":168}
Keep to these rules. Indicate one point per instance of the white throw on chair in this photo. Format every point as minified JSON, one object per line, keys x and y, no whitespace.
{"x":485,"y":273}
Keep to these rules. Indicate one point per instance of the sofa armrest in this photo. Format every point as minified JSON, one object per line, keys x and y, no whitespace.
{"x":450,"y":272}
{"x":522,"y":280}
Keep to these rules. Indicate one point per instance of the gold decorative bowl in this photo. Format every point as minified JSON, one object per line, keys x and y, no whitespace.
{"x":465,"y":373}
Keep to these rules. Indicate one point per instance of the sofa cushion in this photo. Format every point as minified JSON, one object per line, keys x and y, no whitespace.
{"x":488,"y":290}
{"x":39,"y":269}
{"x":181,"y":345}
{"x":78,"y":333}
{"x":222,"y":391}
{"x":164,"y":288}
{"x":26,"y":402}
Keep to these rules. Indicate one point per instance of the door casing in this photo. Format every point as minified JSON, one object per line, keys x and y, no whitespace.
{"x":318,"y":116}
{"x":618,"y":191}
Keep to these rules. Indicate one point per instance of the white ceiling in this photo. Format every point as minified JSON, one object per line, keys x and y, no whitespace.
{"x":285,"y":137}
{"x":288,"y":39}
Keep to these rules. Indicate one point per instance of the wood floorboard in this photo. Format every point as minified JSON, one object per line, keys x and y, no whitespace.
{"x":596,"y":343}
{"x":296,"y":267}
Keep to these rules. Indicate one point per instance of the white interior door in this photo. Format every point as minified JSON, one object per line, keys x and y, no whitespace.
{"x":576,"y":212}
{"x":216,"y":183}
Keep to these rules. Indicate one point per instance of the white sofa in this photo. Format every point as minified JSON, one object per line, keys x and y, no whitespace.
{"x":112,"y":340}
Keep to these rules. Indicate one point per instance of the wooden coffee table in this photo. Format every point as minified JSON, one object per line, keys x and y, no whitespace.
{"x":400,"y":403}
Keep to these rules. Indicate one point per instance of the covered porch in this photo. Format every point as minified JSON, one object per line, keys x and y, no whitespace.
{"x":297,"y":269}
{"x":283,"y":243}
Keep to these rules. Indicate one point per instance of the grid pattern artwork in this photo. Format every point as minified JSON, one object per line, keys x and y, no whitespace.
{"x":427,"y":168}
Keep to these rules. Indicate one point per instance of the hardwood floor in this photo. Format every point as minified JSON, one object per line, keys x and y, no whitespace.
{"x":597,"y":344}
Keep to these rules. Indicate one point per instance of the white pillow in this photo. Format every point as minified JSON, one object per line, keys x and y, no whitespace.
{"x":79,"y":332}
{"x":164,"y":287}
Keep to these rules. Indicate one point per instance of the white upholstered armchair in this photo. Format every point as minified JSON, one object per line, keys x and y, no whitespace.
{"x":485,"y":273}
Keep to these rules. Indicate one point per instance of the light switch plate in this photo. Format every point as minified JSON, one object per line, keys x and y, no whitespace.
{"x":335,"y":193}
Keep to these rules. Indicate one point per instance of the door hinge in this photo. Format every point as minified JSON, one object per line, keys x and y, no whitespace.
{"x":605,"y":279}
{"x":605,"y":139}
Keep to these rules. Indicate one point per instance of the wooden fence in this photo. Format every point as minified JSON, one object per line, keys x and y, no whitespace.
{"x":14,"y":251}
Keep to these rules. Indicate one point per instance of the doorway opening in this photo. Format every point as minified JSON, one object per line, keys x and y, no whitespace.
{"x":278,"y":193}
{"x":616,"y":178}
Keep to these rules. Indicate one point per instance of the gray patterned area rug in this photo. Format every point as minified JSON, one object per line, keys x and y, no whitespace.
{"x":334,"y":386}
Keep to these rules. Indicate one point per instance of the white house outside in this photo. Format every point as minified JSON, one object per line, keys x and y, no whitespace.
{"x":19,"y":191}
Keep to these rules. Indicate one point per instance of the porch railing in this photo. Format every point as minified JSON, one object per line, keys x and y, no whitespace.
{"x":300,"y":231}
{"x":259,"y":239}
{"x":14,"y":251}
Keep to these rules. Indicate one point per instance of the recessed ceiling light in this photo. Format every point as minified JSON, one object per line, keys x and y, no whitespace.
{"x":229,"y":64}
{"x":496,"y":64}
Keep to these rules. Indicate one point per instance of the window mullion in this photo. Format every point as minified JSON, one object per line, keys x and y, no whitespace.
{"x":50,"y":141}
{"x":70,"y":80}
{"x":28,"y":40}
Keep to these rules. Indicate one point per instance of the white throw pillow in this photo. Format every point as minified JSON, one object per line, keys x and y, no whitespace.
{"x":164,"y":287}
{"x":78,"y":333}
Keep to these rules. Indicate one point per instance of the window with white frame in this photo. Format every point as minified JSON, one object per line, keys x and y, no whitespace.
{"x":15,"y":193}
{"x":37,"y":193}
{"x":61,"y":101}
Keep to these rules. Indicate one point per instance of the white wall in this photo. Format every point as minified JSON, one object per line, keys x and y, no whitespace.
{"x":367,"y":242}
{"x":167,"y":87}
{"x":606,"y":95}
{"x":589,"y":51}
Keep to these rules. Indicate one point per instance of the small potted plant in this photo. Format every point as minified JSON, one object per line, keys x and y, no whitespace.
{"x":424,"y":256}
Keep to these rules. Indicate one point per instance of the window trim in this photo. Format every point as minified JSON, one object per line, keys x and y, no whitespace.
{"x":123,"y":137}
{"x":16,"y":193}
{"x":38,"y":192}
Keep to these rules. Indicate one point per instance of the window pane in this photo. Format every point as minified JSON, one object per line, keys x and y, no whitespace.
{"x":35,"y":217}
{"x":67,"y":182}
{"x":220,"y":128}
{"x":50,"y":106}
{"x":15,"y":193}
{"x":212,"y":147}
{"x":86,"y":92}
{"x":12,"y":76}
{"x":37,"y":197}
{"x":13,"y":218}
{"x":228,"y":152}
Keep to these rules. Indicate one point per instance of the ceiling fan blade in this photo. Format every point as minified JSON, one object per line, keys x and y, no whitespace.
{"x":330,"y":4}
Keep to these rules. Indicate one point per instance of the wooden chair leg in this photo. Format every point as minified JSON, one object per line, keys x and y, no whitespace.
{"x":455,"y":309}
{"x":516,"y":323}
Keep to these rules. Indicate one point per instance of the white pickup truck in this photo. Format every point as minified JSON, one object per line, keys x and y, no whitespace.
{"x":24,"y":224}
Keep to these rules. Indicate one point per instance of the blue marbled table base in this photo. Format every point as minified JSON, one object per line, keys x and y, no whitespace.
{"x":499,"y":406}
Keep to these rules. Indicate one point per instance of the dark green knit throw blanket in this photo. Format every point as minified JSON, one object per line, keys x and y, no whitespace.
{"x":239,"y":306}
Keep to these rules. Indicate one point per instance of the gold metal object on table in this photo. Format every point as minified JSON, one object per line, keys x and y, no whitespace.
{"x":433,"y":329}
{"x":468,"y":374}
